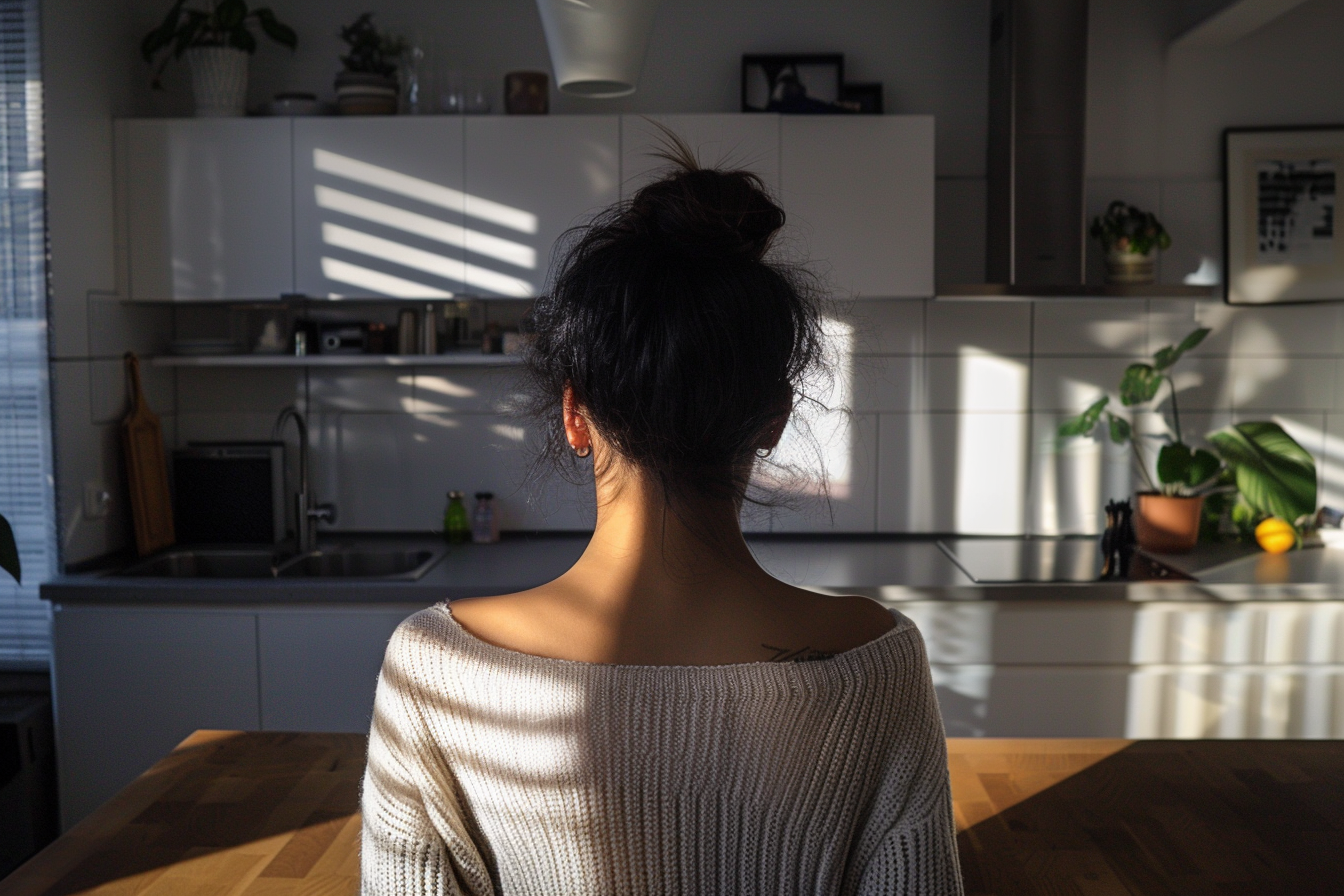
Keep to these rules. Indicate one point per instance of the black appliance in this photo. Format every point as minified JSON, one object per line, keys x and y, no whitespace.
{"x":229,"y":492}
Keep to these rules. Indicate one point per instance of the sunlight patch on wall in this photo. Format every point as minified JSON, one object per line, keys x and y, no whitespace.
{"x":429,"y":262}
{"x":424,"y":191}
{"x":991,"y":447}
{"x":508,"y":251}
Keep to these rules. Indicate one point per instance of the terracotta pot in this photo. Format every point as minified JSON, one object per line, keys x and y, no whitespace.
{"x":1166,"y":524}
{"x":363,"y":93}
{"x":1128,"y":267}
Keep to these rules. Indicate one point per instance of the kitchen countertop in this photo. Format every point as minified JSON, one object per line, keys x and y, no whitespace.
{"x":267,"y":812}
{"x":893,"y":569}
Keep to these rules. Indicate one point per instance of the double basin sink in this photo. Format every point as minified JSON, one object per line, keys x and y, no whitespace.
{"x":345,"y":562}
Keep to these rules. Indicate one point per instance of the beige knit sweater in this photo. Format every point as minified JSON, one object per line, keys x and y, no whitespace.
{"x":495,"y":772}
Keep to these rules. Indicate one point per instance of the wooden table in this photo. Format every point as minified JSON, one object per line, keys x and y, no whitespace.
{"x":275,"y":814}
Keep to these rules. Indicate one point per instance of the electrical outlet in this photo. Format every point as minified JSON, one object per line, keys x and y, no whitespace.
{"x":97,"y":500}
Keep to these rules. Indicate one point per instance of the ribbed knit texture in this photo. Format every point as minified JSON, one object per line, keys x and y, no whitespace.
{"x":494,"y":772}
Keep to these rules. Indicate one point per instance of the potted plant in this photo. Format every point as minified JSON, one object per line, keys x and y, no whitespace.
{"x":1274,"y":476}
{"x":216,"y":42}
{"x":1131,"y":237}
{"x":9,"y":551}
{"x":368,"y":83}
{"x":1167,"y":517}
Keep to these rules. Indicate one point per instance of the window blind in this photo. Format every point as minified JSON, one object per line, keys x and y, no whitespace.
{"x":27,"y":496}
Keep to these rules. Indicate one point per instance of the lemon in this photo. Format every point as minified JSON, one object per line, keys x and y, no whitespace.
{"x":1276,"y":535}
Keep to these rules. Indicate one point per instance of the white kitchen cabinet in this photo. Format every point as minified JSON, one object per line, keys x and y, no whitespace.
{"x":131,"y":683}
{"x":378,"y":207}
{"x":208,"y":208}
{"x":319,"y":667}
{"x":858,"y":191}
{"x":528,"y":180}
{"x":723,"y":141}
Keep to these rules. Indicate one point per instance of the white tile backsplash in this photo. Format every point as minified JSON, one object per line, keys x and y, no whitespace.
{"x":1073,"y":478}
{"x":110,"y":391}
{"x":206,"y":390}
{"x":1073,"y":384}
{"x":1274,"y":384}
{"x":1289,"y":331}
{"x":1330,"y":476}
{"x":466,"y":390}
{"x":1114,"y":328}
{"x":885,"y":383}
{"x":361,"y":391}
{"x":885,"y":328}
{"x":978,"y":382}
{"x":1170,"y":321}
{"x":1001,"y":328}
{"x":829,"y":477}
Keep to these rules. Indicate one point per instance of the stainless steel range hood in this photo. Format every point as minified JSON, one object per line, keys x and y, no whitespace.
{"x":1035,"y":242}
{"x":1037,"y":110}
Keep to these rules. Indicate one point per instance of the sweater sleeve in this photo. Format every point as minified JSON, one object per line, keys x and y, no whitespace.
{"x":414,"y":839}
{"x":917,"y":858}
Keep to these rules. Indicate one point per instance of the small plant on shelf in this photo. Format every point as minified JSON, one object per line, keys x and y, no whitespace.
{"x":1130,"y":237}
{"x":224,"y":30}
{"x":368,"y":83}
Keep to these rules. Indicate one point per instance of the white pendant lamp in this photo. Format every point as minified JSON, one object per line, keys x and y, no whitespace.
{"x":597,"y":46}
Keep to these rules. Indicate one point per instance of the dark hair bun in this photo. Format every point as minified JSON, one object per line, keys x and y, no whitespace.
{"x":683,"y":344}
{"x":705,"y":213}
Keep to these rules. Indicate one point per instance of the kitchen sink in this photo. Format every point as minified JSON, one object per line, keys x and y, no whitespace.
{"x":361,"y":563}
{"x":396,"y":564}
{"x":207,"y":563}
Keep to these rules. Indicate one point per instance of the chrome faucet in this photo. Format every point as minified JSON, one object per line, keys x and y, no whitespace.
{"x":306,"y":513}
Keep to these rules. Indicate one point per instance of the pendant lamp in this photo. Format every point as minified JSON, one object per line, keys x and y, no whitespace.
{"x":597,"y":46}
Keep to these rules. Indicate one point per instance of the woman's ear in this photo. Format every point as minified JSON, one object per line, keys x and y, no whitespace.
{"x":775,"y":431}
{"x":576,"y":425}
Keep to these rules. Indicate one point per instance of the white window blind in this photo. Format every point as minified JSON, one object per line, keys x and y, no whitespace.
{"x":26,"y":484}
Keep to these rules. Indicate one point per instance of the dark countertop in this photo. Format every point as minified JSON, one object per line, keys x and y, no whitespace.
{"x":893,"y":569}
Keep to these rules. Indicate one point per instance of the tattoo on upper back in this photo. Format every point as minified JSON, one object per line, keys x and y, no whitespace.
{"x":800,"y":655}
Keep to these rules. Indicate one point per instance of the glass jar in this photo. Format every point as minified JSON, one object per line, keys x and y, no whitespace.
{"x":484,"y":522}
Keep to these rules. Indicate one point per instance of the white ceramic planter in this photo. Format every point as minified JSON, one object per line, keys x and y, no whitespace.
{"x":218,"y":81}
{"x":1129,"y":267}
{"x":597,"y":46}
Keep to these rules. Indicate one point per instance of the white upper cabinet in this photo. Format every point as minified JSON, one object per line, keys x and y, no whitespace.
{"x":528,"y":180}
{"x":723,"y":141}
{"x":859,"y":192}
{"x":208,"y":211}
{"x":379,"y":207}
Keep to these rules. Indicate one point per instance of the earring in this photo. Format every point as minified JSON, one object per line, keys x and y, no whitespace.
{"x":584,"y":451}
{"x":763,"y":452}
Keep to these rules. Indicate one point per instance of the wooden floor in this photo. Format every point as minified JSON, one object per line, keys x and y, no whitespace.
{"x":275,"y":814}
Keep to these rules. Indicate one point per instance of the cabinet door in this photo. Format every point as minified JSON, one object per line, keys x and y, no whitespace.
{"x":131,"y":683}
{"x":860,"y":191}
{"x":528,"y":181}
{"x":209,"y":211}
{"x":319,"y":668}
{"x":378,"y":207}
{"x":722,"y":141}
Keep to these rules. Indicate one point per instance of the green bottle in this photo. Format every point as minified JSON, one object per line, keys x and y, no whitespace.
{"x":456,"y":528}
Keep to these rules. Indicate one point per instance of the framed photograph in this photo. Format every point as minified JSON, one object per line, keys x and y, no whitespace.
{"x":793,"y":84}
{"x":1280,"y":239}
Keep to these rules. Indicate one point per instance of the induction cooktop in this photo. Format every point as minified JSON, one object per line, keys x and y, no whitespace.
{"x":1003,"y":561}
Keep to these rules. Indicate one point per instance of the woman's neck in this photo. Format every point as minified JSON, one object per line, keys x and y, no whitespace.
{"x":645,"y":552}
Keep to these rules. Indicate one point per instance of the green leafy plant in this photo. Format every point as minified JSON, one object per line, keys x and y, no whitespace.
{"x":1274,"y":474}
{"x":371,"y":51}
{"x":1181,"y":470}
{"x":1126,"y":228}
{"x":9,"y":551}
{"x":223,"y":24}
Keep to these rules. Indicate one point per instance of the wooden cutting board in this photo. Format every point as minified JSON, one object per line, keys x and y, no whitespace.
{"x":146,"y":469}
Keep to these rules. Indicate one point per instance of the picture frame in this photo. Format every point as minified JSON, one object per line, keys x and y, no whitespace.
{"x":863,"y":98}
{"x":1281,"y":244}
{"x":793,"y":84}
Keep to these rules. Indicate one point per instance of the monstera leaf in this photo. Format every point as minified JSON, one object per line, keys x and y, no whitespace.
{"x":1178,"y":465}
{"x":9,"y":551}
{"x":1084,"y":422}
{"x":1168,"y":356}
{"x":1274,"y":474}
{"x":1140,"y":384}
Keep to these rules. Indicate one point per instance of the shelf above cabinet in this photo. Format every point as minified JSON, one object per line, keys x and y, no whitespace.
{"x":1013,"y":293}
{"x":450,"y":359}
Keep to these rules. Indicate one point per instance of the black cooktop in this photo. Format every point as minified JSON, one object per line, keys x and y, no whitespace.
{"x":1003,"y":561}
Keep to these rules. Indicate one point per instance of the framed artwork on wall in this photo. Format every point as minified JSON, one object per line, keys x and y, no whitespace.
{"x":796,"y":83}
{"x":1280,"y":238}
